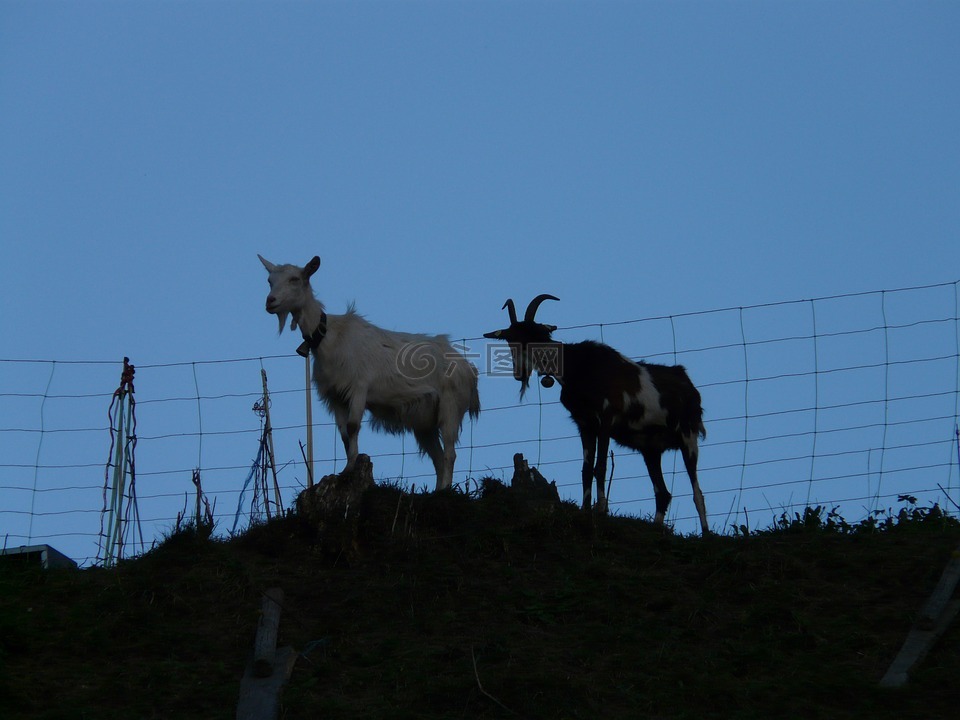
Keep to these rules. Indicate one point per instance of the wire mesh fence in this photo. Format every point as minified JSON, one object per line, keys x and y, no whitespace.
{"x":849,"y":402}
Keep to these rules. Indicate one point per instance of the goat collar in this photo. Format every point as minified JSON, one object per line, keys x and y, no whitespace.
{"x":312,"y":341}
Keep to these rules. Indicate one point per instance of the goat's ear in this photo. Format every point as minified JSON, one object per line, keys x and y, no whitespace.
{"x":311,"y":267}
{"x":267,"y":264}
{"x":495,"y":335}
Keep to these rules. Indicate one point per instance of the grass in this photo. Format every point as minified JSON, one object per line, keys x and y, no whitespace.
{"x":486,"y":606}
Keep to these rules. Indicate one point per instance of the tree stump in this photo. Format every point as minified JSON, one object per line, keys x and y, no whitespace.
{"x":530,"y":483}
{"x":337,"y":494}
{"x":332,"y":506}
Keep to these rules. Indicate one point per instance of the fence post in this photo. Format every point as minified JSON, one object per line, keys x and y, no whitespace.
{"x":123,"y":441}
{"x":270,"y":668}
{"x":309,"y":400}
{"x":935,"y":617}
{"x":271,"y":459}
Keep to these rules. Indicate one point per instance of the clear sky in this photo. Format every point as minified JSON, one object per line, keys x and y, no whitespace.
{"x":636,"y":159}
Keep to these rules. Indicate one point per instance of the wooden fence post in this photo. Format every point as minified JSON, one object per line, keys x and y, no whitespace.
{"x":269,"y":668}
{"x":935,"y":617}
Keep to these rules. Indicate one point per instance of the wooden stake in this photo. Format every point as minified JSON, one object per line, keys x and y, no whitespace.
{"x":309,"y":428}
{"x":936,"y":616}
{"x":265,"y":648}
{"x":268,"y":431}
{"x":270,"y":667}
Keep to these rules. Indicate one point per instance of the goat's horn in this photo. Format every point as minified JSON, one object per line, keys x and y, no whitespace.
{"x":535,"y":304}
{"x":511,"y":308}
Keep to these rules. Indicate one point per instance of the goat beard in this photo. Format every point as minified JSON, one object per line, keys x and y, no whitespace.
{"x":282,"y":318}
{"x":524,"y":384}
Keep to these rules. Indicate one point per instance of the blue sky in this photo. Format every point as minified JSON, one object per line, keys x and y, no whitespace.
{"x":636,"y":159}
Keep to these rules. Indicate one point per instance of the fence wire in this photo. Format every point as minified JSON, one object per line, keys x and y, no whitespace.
{"x":847,"y":401}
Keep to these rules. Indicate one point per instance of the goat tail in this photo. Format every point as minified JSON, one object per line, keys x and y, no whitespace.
{"x":474,"y":407}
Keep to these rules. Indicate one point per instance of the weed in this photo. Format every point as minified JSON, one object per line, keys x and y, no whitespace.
{"x":820,"y":520}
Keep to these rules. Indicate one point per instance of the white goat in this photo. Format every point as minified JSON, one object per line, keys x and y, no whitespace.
{"x":408,"y":382}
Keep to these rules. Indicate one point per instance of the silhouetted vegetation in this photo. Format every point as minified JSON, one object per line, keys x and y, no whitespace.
{"x":491,"y":604}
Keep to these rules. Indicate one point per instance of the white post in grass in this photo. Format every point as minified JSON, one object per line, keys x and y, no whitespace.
{"x":309,"y":427}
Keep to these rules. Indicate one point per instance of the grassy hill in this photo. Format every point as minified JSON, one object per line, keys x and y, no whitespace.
{"x":489,"y":606}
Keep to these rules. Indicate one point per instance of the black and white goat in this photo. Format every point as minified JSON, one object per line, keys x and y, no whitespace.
{"x":408,"y":382}
{"x":646,"y":407}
